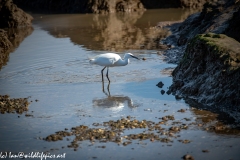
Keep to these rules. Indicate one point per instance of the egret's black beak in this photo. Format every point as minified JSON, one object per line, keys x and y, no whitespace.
{"x":135,"y":57}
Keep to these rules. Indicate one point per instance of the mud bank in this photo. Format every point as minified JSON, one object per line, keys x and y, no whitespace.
{"x":208,"y":65}
{"x":13,"y":17}
{"x":209,"y":72}
{"x":220,"y":17}
{"x":16,"y":25}
{"x":10,"y":39}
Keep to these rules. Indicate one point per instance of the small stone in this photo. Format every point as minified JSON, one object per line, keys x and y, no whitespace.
{"x":160,"y":84}
{"x":181,"y":110}
{"x":162,"y":91}
{"x":168,"y":92}
{"x":188,"y":157}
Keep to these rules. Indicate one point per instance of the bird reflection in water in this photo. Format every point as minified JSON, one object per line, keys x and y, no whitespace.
{"x":113,"y":103}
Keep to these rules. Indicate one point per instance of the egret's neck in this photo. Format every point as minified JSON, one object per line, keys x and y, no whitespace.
{"x":123,"y":62}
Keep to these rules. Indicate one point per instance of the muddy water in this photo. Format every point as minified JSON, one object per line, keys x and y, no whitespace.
{"x":51,"y":66}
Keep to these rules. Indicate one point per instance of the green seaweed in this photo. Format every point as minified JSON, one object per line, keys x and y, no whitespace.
{"x":220,"y":46}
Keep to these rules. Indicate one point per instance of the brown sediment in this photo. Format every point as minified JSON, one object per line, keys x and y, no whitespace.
{"x":166,"y":130}
{"x":13,"y":105}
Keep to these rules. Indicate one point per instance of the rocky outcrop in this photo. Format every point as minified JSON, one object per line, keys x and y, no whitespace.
{"x":16,"y":26}
{"x":106,"y":6}
{"x":193,"y":4}
{"x":215,"y":17}
{"x":208,"y":68}
{"x":83,"y":6}
{"x":11,"y":16}
{"x":5,"y":45}
{"x":11,"y":39}
{"x":209,"y":73}
{"x":233,"y":30}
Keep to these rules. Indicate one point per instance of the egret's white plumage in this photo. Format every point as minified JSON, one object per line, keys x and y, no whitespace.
{"x":111,"y":60}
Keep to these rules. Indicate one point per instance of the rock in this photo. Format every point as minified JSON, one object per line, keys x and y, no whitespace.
{"x":16,"y":24}
{"x":13,"y":105}
{"x":168,"y":92}
{"x":10,"y":39}
{"x":233,"y":29}
{"x":194,"y":4}
{"x":215,"y":18}
{"x":106,"y":6}
{"x":188,"y":157}
{"x":162,"y":91}
{"x":209,"y":72}
{"x":160,"y":84}
{"x":84,"y":6}
{"x":220,"y":17}
{"x":5,"y":45}
{"x":205,"y":151}
{"x":12,"y":17}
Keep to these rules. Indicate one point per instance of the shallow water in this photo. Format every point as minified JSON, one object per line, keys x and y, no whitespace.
{"x":51,"y":66}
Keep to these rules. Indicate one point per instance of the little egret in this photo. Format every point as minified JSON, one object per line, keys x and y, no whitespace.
{"x":111,"y":60}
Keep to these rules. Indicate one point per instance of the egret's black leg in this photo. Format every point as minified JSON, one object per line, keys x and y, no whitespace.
{"x":102,"y":73}
{"x":107,"y":75}
{"x":109,"y":94}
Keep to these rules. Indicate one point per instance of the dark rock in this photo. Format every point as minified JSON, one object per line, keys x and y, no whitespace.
{"x":16,"y":24}
{"x":11,"y":39}
{"x":106,"y":6}
{"x":215,"y":18}
{"x":85,"y":6}
{"x":160,"y":84}
{"x":194,"y":4}
{"x":12,"y":17}
{"x":168,"y":92}
{"x":162,"y":91}
{"x":209,"y":72}
{"x":5,"y":45}
{"x":233,"y":30}
{"x":218,"y":17}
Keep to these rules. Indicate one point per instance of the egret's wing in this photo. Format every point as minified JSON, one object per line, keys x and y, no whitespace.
{"x":107,"y":59}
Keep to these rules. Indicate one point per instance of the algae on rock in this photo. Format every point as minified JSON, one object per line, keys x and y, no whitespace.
{"x":209,"y":73}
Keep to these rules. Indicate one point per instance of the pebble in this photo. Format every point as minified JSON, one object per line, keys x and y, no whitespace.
{"x":188,"y":157}
{"x":160,"y":84}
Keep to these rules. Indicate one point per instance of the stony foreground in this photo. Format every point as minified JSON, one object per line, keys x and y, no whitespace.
{"x":13,"y":105}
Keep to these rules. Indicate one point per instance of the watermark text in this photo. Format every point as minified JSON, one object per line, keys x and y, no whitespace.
{"x":33,"y":155}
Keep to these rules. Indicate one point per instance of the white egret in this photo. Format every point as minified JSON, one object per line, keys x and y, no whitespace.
{"x":111,"y":60}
